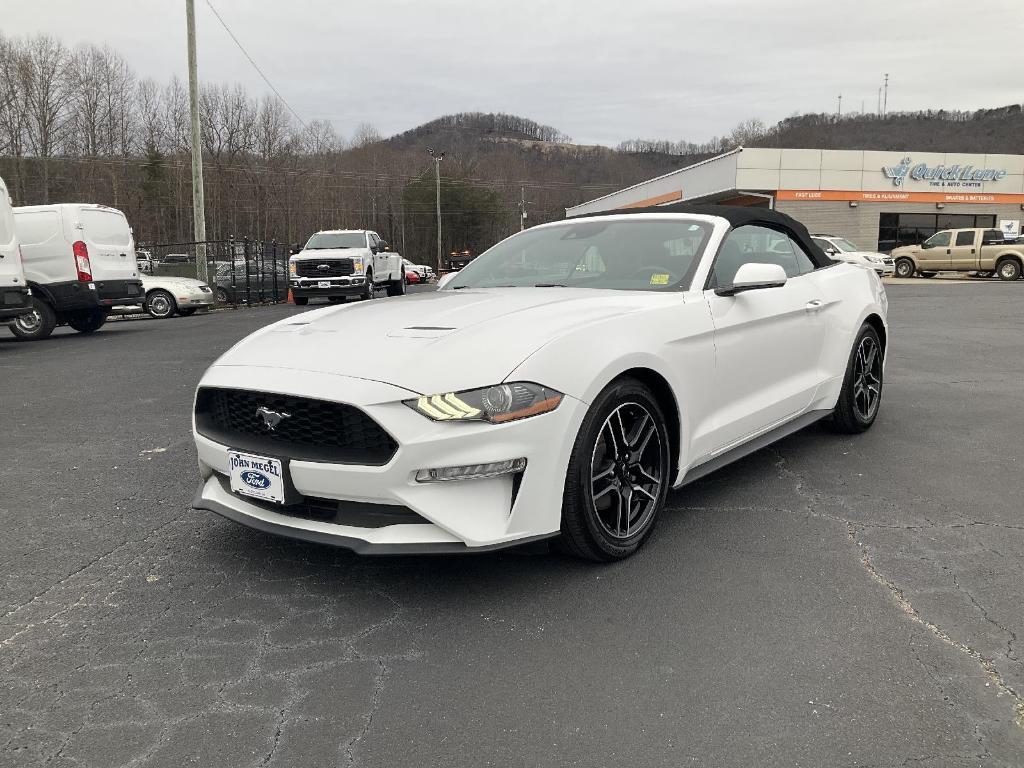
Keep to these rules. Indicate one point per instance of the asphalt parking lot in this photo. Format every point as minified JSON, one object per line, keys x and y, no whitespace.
{"x":830,"y":601}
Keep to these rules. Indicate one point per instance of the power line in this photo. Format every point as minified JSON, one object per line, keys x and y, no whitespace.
{"x":255,"y":65}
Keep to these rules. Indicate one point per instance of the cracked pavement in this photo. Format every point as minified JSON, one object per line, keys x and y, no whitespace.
{"x":828,"y":601}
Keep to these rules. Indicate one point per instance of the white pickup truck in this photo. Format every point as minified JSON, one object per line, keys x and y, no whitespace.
{"x":338,"y":263}
{"x":962,"y":250}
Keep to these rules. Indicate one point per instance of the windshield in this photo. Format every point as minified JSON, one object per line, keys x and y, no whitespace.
{"x":638,"y":255}
{"x":322,"y":240}
{"x":844,"y":245}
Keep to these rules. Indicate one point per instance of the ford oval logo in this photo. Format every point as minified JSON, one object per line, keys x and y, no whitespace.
{"x":255,"y":479}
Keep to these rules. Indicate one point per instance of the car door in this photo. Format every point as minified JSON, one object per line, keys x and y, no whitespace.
{"x":378,"y":257}
{"x":768,"y":342}
{"x":964,"y":249}
{"x":936,"y":252}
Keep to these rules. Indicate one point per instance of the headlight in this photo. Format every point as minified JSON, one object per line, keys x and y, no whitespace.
{"x":497,"y":404}
{"x":357,"y":266}
{"x":292,"y":268}
{"x":874,"y":259}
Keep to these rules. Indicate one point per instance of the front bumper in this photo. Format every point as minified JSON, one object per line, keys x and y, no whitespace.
{"x":463,"y":515}
{"x":336,"y":286}
{"x":195,"y":300}
{"x":14,"y":302}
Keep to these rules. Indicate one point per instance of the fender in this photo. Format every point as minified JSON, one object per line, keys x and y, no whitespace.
{"x":42,"y":292}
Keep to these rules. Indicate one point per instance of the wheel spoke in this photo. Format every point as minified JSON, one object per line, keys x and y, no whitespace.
{"x":648,"y":476}
{"x":604,"y":491}
{"x":645,"y":492}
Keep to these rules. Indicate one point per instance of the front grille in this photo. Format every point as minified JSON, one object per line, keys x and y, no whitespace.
{"x":313,"y":430}
{"x":334,"y":268}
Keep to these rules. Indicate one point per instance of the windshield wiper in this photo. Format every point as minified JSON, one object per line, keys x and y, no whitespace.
{"x":549,"y":285}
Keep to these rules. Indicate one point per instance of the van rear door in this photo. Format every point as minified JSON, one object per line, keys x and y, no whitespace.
{"x":11,"y":273}
{"x":108,"y":237}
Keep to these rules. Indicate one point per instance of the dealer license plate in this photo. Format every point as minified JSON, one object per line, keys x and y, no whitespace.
{"x":257,"y":476}
{"x":323,"y":284}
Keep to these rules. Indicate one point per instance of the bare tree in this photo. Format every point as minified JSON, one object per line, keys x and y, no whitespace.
{"x":43,"y":74}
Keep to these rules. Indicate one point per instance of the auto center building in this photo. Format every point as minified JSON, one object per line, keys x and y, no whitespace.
{"x":878,"y":200}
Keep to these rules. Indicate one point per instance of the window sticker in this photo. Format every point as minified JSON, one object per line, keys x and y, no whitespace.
{"x":659,"y":279}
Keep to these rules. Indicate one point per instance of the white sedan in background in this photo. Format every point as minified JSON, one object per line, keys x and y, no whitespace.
{"x":168,"y":296}
{"x":557,"y":387}
{"x":424,"y":271}
{"x":841,"y":249}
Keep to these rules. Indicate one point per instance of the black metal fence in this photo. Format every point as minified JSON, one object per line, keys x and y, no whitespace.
{"x":241,"y":271}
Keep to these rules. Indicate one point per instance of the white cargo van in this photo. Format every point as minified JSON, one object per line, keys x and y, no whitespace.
{"x":15,"y":299}
{"x":80,"y":263}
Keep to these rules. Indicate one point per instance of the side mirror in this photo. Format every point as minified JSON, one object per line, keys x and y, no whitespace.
{"x":385,"y":247}
{"x":927,"y":245}
{"x":374,"y":249}
{"x":753,"y":276}
{"x":444,"y":280}
{"x":831,"y":251}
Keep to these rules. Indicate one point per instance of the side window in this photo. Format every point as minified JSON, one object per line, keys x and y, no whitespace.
{"x":758,"y":245}
{"x":965,"y":237}
{"x":938,"y":240}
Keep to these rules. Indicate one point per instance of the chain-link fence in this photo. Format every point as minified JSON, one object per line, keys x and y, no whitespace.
{"x":239,"y":271}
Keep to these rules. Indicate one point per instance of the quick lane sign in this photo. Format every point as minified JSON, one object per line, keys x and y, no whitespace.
{"x":942,"y":176}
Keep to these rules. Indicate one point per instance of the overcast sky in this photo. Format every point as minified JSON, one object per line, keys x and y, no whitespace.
{"x":599,"y":70}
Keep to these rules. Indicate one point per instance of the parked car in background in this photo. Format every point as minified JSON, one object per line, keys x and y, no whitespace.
{"x":424,"y":271}
{"x":339,"y":263}
{"x":177,"y":258}
{"x":168,"y":296}
{"x":15,"y":299}
{"x":841,"y":249}
{"x":962,"y":250}
{"x":79,"y":262}
{"x":234,"y":283}
{"x":412,"y":277}
{"x":144,"y":261}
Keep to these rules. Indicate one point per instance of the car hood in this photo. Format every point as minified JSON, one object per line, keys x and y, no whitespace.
{"x":908,"y":250}
{"x":149,"y":281}
{"x":433,"y":342}
{"x":331,"y":253}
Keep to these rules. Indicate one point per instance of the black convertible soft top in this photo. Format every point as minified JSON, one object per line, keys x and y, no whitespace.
{"x":737,"y":216}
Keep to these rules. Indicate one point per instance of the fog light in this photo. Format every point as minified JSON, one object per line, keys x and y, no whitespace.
{"x":470,"y":471}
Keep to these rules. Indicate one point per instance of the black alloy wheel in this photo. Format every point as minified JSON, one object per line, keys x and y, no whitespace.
{"x":861,"y":395}
{"x":618,"y":475}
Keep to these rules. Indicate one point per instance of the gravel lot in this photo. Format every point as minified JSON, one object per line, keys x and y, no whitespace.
{"x":830,"y":601}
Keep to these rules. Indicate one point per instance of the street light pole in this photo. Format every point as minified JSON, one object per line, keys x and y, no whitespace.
{"x":198,"y":203}
{"x":438,"y":157}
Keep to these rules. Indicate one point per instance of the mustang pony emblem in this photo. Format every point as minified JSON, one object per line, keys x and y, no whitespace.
{"x":271,"y":419}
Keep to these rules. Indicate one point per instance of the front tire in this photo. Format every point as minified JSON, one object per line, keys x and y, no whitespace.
{"x":300,"y":301}
{"x":160,"y":304}
{"x":861,"y":395}
{"x":905,"y":268}
{"x":87,"y":321}
{"x":618,"y":475}
{"x":37,"y":324}
{"x":1008,"y":269}
{"x":368,"y":293}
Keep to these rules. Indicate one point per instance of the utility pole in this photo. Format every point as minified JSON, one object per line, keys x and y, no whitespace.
{"x":839,"y":113}
{"x":879,"y":101}
{"x":522,"y":208}
{"x":198,"y":203}
{"x":438,"y":157}
{"x":885,"y":96}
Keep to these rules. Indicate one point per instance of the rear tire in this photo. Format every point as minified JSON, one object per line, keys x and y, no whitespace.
{"x":861,"y":396}
{"x":397,"y":287}
{"x":300,"y":301}
{"x":905,"y":268}
{"x":620,"y":458}
{"x":160,"y":304}
{"x":87,"y":321}
{"x":1008,"y":269}
{"x":37,"y":324}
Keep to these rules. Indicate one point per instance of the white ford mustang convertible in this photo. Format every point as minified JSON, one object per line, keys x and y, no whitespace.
{"x":558,"y":386}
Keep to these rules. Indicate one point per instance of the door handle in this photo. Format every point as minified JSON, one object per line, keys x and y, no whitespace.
{"x":814,"y":305}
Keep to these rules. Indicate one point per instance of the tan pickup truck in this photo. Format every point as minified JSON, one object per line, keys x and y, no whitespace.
{"x":962,"y":250}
